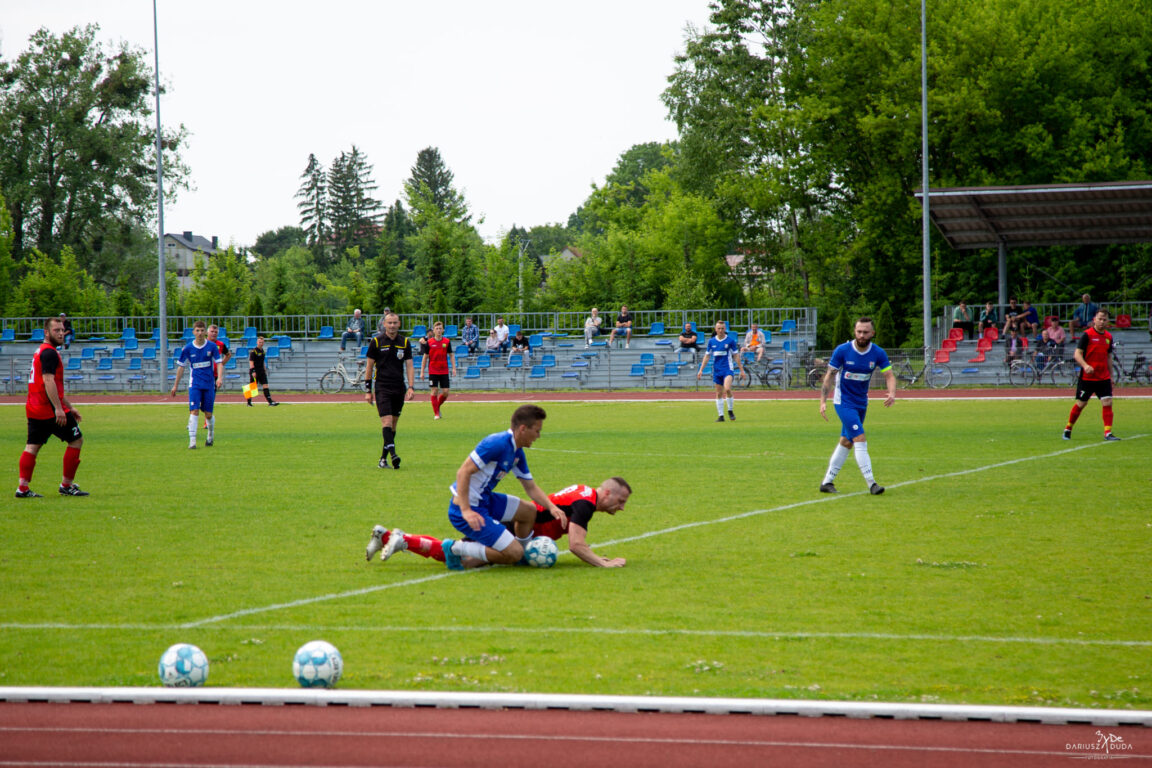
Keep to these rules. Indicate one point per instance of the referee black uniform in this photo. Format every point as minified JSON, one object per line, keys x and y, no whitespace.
{"x":390,"y":356}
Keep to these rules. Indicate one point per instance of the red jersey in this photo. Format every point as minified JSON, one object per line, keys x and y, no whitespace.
{"x":1096,"y":347}
{"x":46,"y":362}
{"x":223,"y":351}
{"x":438,"y":350}
{"x":578,"y":503}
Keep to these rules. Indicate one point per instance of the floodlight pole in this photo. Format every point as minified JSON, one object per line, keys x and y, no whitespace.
{"x":163,"y":326}
{"x":926,"y":224}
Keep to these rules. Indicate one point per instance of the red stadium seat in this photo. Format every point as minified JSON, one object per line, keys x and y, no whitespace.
{"x":942,"y":356}
{"x":984,"y":344}
{"x":979,"y":357}
{"x":956,"y":334}
{"x":992,"y":332}
{"x":1048,"y":320}
{"x":949,"y":345}
{"x":1123,"y":321}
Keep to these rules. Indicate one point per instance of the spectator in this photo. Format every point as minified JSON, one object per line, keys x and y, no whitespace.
{"x":624,"y":326}
{"x":69,"y":336}
{"x":1010,"y":313}
{"x":1028,"y":320}
{"x":962,"y":319}
{"x":1013,"y":345}
{"x":592,"y":327}
{"x":501,"y":333}
{"x":989,"y":317}
{"x":470,"y":336}
{"x":1082,"y":316}
{"x":492,"y":345}
{"x":520,"y":344}
{"x":688,"y":340}
{"x":1056,"y":338}
{"x":355,"y":330}
{"x":754,"y":341}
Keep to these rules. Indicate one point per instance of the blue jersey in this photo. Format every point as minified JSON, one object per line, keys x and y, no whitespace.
{"x":199,"y":361}
{"x":723,"y":354}
{"x":854,"y":372}
{"x":496,"y":456}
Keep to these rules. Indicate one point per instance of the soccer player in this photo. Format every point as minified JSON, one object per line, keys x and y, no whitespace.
{"x":851,"y":368}
{"x":257,"y":372}
{"x":225,"y":354}
{"x":437,"y":354}
{"x":201,"y":357}
{"x":389,"y":359}
{"x":578,"y":502}
{"x":1093,"y":355}
{"x":722,"y":349}
{"x":49,"y":413}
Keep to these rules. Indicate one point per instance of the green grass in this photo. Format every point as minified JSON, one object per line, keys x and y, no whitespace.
{"x":1012,"y":583}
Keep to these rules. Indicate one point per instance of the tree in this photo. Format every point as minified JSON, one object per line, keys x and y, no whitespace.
{"x":52,"y":286}
{"x":271,"y":242}
{"x":430,"y":192}
{"x":6,"y":264}
{"x":353,"y":213}
{"x":76,"y":150}
{"x":313,"y":205}
{"x":222,"y":286}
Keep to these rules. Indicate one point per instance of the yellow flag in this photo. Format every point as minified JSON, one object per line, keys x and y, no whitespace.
{"x":250,"y":390}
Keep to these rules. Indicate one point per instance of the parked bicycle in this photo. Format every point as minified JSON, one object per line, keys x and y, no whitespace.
{"x":934,"y":375}
{"x":767,"y":373}
{"x":1040,"y":363}
{"x":816,"y":373}
{"x":1138,"y":372}
{"x":338,"y":376}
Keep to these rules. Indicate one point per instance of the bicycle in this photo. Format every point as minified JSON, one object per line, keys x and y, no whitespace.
{"x":770,"y":373}
{"x":816,"y":374}
{"x":1139,"y":372}
{"x":935,"y":375}
{"x":338,"y":376}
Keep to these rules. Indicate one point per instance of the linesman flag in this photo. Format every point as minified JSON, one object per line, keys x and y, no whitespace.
{"x":249,"y":390}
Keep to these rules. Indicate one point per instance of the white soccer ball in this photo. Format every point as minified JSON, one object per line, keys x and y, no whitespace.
{"x":317,"y":665}
{"x":183,"y":666}
{"x":541,"y":552}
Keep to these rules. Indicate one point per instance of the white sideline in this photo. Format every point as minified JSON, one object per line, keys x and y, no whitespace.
{"x":580,"y":702}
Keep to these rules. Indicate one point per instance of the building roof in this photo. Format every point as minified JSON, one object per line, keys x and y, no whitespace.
{"x":1043,"y":215}
{"x":194,"y":242}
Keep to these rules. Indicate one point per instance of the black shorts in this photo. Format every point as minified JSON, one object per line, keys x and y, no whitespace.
{"x":389,"y":402}
{"x":438,"y":380}
{"x":260,"y":377}
{"x":1085,"y":389}
{"x":39,"y":430}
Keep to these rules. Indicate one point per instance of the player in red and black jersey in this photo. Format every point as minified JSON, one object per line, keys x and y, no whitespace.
{"x":49,"y":413}
{"x":225,"y":356}
{"x":440,"y":363}
{"x":1094,"y":356}
{"x":579,"y":503}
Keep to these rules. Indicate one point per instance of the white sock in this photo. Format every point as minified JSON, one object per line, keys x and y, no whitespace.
{"x":525,"y":540}
{"x":212,"y":425}
{"x":720,"y":406}
{"x":471,"y":549}
{"x":839,"y":456}
{"x":729,"y":402}
{"x":193,"y":423}
{"x":864,"y":461}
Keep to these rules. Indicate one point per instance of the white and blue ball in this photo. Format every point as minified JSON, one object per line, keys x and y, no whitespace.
{"x":183,"y":666}
{"x":541,"y":552}
{"x":317,"y":665}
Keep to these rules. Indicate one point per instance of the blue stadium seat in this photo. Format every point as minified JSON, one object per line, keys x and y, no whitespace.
{"x":647,"y":359}
{"x":37,"y":336}
{"x":515,"y":361}
{"x":450,"y":331}
{"x":484,"y":361}
{"x":419,"y":331}
{"x":548,"y":361}
{"x":657,"y":329}
{"x":128,"y":333}
{"x":326,"y":332}
{"x":788,"y":326}
{"x":538,"y":372}
{"x":8,"y":335}
{"x":473,"y":372}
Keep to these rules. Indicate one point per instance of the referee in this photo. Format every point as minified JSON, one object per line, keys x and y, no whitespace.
{"x":256,"y":371}
{"x":389,"y":358}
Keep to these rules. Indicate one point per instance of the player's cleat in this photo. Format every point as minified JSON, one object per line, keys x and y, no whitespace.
{"x":383,"y":463}
{"x":828,"y":488}
{"x":720,"y":418}
{"x":395,"y":544}
{"x":731,"y":416}
{"x":208,"y":442}
{"x":451,"y":559}
{"x":876,"y":489}
{"x":1067,"y":434}
{"x":395,"y":460}
{"x":1110,"y":437}
{"x":274,"y":402}
{"x":376,"y":542}
{"x":191,"y":446}
{"x":436,"y":417}
{"x":249,"y":403}
{"x":28,"y":494}
{"x":72,"y":490}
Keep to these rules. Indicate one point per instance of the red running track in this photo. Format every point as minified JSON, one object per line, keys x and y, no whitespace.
{"x":55,"y":735}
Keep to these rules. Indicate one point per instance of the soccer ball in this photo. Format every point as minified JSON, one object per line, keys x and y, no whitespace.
{"x":541,"y":552}
{"x":317,"y":665}
{"x":183,"y":666}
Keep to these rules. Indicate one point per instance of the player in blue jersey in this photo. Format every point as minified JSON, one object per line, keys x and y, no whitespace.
{"x":479,"y":513}
{"x":199,"y":356}
{"x":722,"y":350}
{"x":849,"y":373}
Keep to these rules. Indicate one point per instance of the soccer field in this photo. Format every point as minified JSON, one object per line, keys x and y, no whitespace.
{"x":1003,"y":565}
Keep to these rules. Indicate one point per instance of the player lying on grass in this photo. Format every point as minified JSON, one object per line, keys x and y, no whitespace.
{"x":579,"y":503}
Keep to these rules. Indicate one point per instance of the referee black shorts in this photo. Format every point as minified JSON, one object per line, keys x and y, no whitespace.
{"x":389,"y":402}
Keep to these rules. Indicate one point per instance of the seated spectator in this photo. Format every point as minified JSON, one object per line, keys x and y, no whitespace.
{"x":1013,"y":345}
{"x":355,"y":330}
{"x":962,"y":319}
{"x":1056,"y":337}
{"x":688,"y":340}
{"x":501,"y":333}
{"x":1082,"y":316}
{"x":754,"y":341}
{"x":520,"y":344}
{"x":470,"y":336}
{"x":1028,"y":320}
{"x":1010,"y":313}
{"x":492,"y":344}
{"x":624,"y":326}
{"x":989,"y":317}
{"x":592,"y":327}
{"x":69,"y":334}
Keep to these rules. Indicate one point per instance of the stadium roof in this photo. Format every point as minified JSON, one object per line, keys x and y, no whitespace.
{"x":1043,"y":215}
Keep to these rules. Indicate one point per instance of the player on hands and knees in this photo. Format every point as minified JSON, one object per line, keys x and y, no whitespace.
{"x":849,"y":373}
{"x":1094,"y":356}
{"x":578,"y":502}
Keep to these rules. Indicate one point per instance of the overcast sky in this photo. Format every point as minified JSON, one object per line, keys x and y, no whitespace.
{"x":529,"y":101}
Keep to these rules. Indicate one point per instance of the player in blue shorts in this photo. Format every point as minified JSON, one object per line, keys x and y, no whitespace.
{"x":199,"y":355}
{"x":722,"y":350}
{"x":850,"y":370}
{"x":479,"y":513}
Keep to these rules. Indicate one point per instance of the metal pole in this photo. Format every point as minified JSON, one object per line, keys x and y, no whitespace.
{"x":163,"y":356}
{"x":924,"y":179}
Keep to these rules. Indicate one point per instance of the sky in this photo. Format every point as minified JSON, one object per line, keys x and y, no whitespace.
{"x":530,"y":102}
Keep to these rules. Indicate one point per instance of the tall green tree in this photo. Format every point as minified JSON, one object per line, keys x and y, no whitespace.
{"x":221,"y":286}
{"x":7,"y":266}
{"x":276,"y":241}
{"x":430,"y":189}
{"x":353,"y":212}
{"x":53,"y":285}
{"x":313,"y":205}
